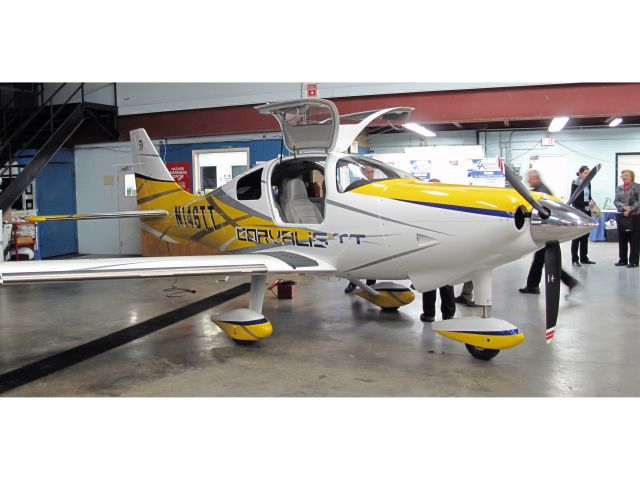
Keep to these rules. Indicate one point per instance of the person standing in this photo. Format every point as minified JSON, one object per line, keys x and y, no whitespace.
{"x":447,"y":304}
{"x":627,"y":202}
{"x":466,"y":296}
{"x":584,"y":203}
{"x":535,"y":272}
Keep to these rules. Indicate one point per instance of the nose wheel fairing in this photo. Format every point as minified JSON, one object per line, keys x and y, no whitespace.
{"x":491,"y":333}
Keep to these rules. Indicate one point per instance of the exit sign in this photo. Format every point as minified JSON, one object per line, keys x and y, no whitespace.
{"x":548,"y":141}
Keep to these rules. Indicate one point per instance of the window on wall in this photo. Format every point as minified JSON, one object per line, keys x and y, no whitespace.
{"x":214,"y":168}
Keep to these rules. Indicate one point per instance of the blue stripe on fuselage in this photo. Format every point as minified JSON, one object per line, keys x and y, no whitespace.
{"x":479,"y":211}
{"x":497,"y":333}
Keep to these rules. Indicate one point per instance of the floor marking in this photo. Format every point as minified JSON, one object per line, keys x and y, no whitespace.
{"x":59,"y":361}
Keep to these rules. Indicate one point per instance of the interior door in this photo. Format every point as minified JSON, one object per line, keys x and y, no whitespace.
{"x":627,"y":161}
{"x":129,"y":228}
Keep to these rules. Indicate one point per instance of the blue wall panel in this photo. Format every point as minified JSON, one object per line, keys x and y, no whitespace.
{"x":55,"y":194}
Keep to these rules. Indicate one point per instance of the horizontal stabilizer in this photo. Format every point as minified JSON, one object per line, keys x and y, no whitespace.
{"x":99,"y":216}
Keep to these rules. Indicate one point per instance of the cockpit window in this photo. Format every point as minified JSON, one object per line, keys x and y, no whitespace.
{"x":354,"y":172}
{"x":249,"y":187}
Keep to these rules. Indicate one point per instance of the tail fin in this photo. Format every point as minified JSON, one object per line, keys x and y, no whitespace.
{"x":156,"y":188}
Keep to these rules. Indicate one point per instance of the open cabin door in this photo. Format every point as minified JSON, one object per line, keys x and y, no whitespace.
{"x":308,"y":126}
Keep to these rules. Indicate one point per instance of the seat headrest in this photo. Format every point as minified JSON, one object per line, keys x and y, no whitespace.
{"x":295,"y":189}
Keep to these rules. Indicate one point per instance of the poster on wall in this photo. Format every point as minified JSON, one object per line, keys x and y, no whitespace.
{"x":486,"y":172}
{"x":420,"y":169}
{"x":181,"y":172}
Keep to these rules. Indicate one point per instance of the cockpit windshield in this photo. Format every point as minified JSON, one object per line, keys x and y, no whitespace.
{"x":354,"y":172}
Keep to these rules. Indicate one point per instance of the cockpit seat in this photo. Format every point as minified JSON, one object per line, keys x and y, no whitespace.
{"x":296,"y":204}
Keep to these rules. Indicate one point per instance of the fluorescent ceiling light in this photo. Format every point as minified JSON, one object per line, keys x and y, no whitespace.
{"x":419,"y":129}
{"x":558,"y":124}
{"x":615,"y":122}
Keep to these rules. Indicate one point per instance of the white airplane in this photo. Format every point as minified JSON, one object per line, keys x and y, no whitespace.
{"x":327,"y":212}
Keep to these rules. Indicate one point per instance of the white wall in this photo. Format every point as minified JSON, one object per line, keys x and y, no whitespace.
{"x":397,"y":142}
{"x":587,"y":146}
{"x":93,"y":163}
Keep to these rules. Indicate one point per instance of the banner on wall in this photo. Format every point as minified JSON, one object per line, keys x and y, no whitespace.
{"x":487,"y":172}
{"x":181,"y":172}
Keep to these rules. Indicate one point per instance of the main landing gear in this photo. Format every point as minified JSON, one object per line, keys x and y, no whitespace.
{"x":245,"y":326}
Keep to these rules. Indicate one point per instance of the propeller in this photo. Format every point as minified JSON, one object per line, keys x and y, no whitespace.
{"x":584,"y":184}
{"x":552,"y":255}
{"x":552,"y":267}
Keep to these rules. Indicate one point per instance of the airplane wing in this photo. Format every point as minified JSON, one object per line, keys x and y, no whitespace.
{"x":275,"y":261}
{"x":99,"y":216}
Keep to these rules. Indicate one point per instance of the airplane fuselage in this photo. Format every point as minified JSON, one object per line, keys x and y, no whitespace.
{"x":390,"y":229}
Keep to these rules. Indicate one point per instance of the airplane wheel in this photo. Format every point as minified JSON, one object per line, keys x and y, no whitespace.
{"x":391,"y":309}
{"x":481,"y":353}
{"x":244,"y":343}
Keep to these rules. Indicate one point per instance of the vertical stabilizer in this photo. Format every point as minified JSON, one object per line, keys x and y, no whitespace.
{"x":156,"y":188}
{"x":145,"y":157}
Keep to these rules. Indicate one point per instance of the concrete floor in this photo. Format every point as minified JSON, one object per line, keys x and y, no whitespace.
{"x":325,"y":343}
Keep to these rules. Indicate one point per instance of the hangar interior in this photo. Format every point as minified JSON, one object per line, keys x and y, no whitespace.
{"x":65,"y":149}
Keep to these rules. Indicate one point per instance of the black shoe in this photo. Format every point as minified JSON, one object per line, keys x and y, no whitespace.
{"x":534,"y":290}
{"x":620,"y":264}
{"x":632,"y":265}
{"x":447,"y":318}
{"x":424,"y":318}
{"x":463,"y":301}
{"x":350,"y":288}
{"x":573,"y":288}
{"x":587,"y":262}
{"x":576,"y":263}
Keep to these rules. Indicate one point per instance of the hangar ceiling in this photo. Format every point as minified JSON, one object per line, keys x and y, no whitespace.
{"x":528,"y":107}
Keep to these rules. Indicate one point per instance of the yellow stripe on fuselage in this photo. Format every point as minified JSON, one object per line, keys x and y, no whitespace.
{"x":474,"y":199}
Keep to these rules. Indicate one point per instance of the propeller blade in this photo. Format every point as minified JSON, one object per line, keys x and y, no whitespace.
{"x":584,"y":183}
{"x":552,"y":266}
{"x":515,"y":182}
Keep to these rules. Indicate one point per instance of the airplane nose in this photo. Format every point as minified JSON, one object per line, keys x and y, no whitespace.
{"x":564,"y":223}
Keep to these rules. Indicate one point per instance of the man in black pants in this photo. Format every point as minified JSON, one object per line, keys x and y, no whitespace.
{"x":447,"y":304}
{"x":583,"y":203}
{"x":535,"y":272}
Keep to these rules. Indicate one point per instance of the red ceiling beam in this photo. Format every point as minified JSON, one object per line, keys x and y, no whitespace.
{"x":461,"y":106}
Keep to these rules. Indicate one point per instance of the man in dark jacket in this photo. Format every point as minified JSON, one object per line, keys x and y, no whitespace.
{"x":583,"y":203}
{"x":535,"y":272}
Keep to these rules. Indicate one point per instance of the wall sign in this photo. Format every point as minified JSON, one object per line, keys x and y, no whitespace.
{"x":181,"y":172}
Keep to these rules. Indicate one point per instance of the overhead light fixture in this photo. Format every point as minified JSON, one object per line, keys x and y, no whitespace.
{"x":558,"y":124}
{"x":419,"y":129}
{"x":615,"y":122}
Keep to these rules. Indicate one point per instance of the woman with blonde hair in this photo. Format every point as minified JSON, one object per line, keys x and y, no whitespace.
{"x":627,"y":202}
